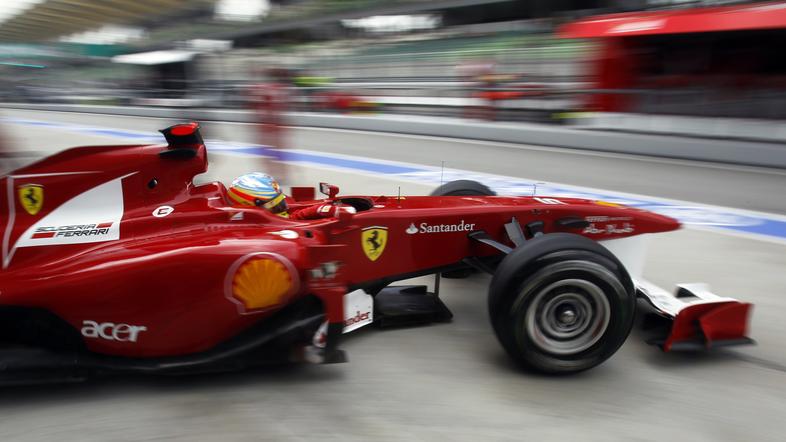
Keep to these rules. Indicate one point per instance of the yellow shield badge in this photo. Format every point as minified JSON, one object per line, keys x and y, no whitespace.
{"x":31,"y":196}
{"x":374,"y":239}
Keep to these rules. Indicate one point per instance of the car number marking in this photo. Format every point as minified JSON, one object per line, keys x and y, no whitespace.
{"x":163,"y":211}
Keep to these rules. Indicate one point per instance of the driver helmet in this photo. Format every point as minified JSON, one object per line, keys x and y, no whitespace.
{"x":258,"y":189}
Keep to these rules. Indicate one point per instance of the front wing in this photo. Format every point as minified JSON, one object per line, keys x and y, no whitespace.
{"x":699,"y":318}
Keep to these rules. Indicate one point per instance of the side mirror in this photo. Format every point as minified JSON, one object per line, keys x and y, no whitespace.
{"x":328,"y":189}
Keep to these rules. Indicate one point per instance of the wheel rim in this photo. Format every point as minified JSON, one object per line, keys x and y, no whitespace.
{"x":568,"y":316}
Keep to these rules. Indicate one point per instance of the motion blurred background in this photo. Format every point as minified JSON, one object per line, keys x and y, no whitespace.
{"x":655,"y":66}
{"x":676,"y":106}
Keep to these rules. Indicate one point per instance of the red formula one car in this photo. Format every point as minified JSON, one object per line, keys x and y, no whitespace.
{"x":114,"y":261}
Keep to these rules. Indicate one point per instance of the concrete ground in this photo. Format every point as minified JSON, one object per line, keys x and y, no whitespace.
{"x":452,"y":381}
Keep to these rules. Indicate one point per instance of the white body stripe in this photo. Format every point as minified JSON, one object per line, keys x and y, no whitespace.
{"x":69,"y":223}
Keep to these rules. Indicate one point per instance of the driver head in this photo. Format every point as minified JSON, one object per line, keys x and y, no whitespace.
{"x":258,"y":189}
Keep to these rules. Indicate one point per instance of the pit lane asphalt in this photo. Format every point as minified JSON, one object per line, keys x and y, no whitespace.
{"x":452,"y":380}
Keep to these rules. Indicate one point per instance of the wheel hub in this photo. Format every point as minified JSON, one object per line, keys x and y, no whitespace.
{"x":568,"y":316}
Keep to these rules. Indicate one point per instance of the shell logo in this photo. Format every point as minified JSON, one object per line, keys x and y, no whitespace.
{"x":259,"y":282}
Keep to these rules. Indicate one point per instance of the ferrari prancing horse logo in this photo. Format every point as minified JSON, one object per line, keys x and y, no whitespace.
{"x":31,"y":196}
{"x":374,"y":239}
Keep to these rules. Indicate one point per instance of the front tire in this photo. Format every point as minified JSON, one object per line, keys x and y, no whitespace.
{"x":561,"y":303}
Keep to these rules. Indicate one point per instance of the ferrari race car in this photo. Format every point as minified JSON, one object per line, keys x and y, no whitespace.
{"x":114,"y":261}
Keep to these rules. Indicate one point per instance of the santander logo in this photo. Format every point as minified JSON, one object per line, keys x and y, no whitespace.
{"x":461,"y":226}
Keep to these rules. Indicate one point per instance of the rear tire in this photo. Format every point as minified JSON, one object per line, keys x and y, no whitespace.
{"x":463,"y":188}
{"x":561,"y":303}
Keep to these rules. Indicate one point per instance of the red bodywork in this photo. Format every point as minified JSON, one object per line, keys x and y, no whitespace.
{"x":170,"y":271}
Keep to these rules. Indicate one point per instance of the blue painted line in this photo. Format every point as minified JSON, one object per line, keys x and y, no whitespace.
{"x":730,"y":220}
{"x":122,"y":134}
{"x":775,"y":229}
{"x":107,"y":132}
{"x":30,"y":122}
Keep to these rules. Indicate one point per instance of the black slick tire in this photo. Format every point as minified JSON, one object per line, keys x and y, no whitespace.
{"x":561,"y":304}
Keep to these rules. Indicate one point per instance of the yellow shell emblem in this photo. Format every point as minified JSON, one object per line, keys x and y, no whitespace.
{"x":31,"y":197}
{"x":261,"y":283}
{"x":373,"y":240}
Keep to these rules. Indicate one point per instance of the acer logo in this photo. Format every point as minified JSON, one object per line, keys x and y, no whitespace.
{"x":111,"y":331}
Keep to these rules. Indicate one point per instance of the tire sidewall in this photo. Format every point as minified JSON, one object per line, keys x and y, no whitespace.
{"x":463,"y":188}
{"x":540,"y":262}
